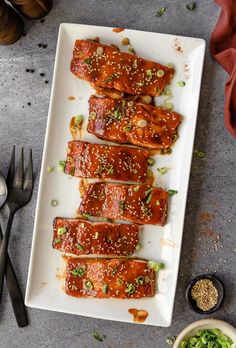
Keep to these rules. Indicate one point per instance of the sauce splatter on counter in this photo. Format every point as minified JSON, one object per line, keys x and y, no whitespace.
{"x":139,"y":315}
{"x":71,"y":97}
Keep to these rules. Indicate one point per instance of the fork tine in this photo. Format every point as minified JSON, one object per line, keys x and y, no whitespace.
{"x":10,"y":175}
{"x":19,"y":175}
{"x":28,"y":183}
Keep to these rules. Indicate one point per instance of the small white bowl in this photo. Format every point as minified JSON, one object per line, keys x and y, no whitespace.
{"x":190,"y":330}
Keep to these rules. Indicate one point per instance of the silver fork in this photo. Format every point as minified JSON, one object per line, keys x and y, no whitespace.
{"x":20,"y":188}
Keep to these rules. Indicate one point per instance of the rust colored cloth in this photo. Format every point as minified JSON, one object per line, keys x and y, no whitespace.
{"x":223,"y":49}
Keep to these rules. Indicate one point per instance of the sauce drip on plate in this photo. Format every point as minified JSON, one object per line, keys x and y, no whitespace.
{"x":139,"y":315}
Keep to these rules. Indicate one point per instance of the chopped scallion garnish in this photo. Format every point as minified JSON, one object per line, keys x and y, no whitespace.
{"x":191,"y":6}
{"x":61,"y":231}
{"x":160,"y":12}
{"x":130,"y":288}
{"x":172,"y":192}
{"x":50,"y":169}
{"x":54,"y":203}
{"x":140,"y":280}
{"x":88,"y":285}
{"x":162,"y":170}
{"x":155,"y":266}
{"x":181,"y":83}
{"x":78,"y":272}
{"x":160,"y":73}
{"x":79,"y":246}
{"x":105,"y":288}
{"x":150,"y":161}
{"x":61,"y":165}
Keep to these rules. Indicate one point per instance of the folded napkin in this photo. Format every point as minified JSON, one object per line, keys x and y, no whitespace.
{"x":223,"y":50}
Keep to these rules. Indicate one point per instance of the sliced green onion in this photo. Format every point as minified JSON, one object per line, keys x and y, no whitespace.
{"x":158,"y":202}
{"x":50,"y":169}
{"x":150,"y":161}
{"x":170,"y":340}
{"x":172,"y":192}
{"x":168,"y":105}
{"x":79,"y":246}
{"x":148,"y":191}
{"x":123,"y":103}
{"x":97,"y":336}
{"x":162,"y":170}
{"x":86,"y":215}
{"x":181,"y":83}
{"x":199,"y":153}
{"x":130,"y":289}
{"x":160,"y":73}
{"x":61,"y":165}
{"x":166,"y":92}
{"x":131,"y":50}
{"x":54,"y":203}
{"x":149,"y":72}
{"x":93,"y":115}
{"x":57,"y":241}
{"x":191,"y":6}
{"x":148,"y":200}
{"x":170,"y":65}
{"x":121,"y":205}
{"x":117,"y":114}
{"x":138,"y":246}
{"x":155,"y":266}
{"x":136,"y":188}
{"x":105,"y":288}
{"x":140,"y":280}
{"x":160,"y":12}
{"x":88,"y":285}
{"x":78,"y":272}
{"x":127,"y":128}
{"x":114,"y":271}
{"x":87,"y":61}
{"x":96,"y":235}
{"x":78,"y":119}
{"x":61,"y":231}
{"x":140,"y":84}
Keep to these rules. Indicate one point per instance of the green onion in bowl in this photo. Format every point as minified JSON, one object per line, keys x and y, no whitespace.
{"x":212,"y":338}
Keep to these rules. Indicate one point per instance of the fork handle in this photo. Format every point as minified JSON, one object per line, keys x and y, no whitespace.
{"x":14,"y":291}
{"x":3,"y":251}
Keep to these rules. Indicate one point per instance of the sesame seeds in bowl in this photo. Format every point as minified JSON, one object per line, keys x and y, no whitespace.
{"x":205,"y":294}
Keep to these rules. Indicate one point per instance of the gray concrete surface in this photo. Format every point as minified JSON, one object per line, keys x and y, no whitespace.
{"x":212,"y":186}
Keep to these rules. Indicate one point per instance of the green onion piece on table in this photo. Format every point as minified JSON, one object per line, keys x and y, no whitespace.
{"x":160,"y":12}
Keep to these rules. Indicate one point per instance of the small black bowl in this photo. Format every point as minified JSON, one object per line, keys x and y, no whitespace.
{"x":219,"y":286}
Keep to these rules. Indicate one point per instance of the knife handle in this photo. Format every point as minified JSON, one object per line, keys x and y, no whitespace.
{"x":14,"y":290}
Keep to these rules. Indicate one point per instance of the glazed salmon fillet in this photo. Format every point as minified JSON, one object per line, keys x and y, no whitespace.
{"x":123,"y":163}
{"x":81,"y":237}
{"x":135,"y":123}
{"x":105,"y":66}
{"x":109,"y":278}
{"x":141,"y":204}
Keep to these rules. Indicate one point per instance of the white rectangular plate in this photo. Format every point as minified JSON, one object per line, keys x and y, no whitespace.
{"x":44,"y":289}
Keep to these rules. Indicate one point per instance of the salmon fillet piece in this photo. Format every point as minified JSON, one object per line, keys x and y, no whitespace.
{"x":141,"y":204}
{"x":138,"y":123}
{"x":123,"y":163}
{"x":105,"y":66}
{"x":81,"y":237}
{"x":109,"y":278}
